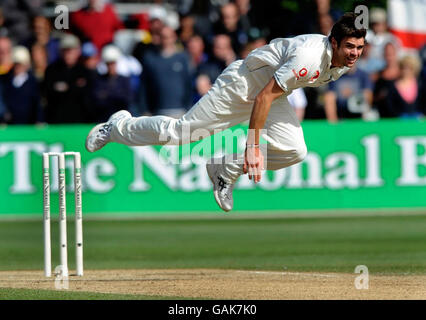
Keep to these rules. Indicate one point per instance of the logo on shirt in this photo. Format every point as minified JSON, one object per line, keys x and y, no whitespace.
{"x":303,"y":72}
{"x":315,"y":76}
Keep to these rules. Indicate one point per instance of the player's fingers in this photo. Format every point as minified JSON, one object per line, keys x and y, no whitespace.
{"x":258,"y":174}
{"x":251,"y":171}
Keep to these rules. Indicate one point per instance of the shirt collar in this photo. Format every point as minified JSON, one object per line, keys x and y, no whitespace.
{"x":329,"y":52}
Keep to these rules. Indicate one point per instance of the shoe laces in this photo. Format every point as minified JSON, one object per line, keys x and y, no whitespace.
{"x":225,"y":188}
{"x":106,"y":128}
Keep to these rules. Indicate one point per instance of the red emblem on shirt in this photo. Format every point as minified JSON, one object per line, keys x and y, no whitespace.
{"x":303,"y":72}
{"x":295,"y":74}
{"x":315,"y":76}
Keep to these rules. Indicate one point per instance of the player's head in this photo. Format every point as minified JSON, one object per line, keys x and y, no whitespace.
{"x":347,"y":40}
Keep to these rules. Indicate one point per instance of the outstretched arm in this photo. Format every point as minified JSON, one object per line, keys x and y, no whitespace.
{"x":253,"y":163}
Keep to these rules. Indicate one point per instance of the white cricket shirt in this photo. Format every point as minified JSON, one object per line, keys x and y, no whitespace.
{"x":302,"y":61}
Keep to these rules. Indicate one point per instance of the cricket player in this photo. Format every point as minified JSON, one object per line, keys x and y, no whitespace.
{"x":254,"y":89}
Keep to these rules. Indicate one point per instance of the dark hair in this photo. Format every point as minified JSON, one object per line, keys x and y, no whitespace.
{"x":345,"y":27}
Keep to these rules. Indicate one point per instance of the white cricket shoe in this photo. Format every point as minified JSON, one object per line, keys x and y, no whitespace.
{"x":222,"y":189}
{"x":99,"y":136}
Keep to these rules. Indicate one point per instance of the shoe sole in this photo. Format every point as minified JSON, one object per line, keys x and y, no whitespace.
{"x":124,"y":112}
{"x":95,"y":128}
{"x":215,"y":192}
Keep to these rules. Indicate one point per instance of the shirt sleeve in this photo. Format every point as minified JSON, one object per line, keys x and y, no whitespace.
{"x":296,"y":71}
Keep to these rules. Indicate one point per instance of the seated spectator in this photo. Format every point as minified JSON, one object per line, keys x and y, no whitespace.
{"x":186,"y":29}
{"x":42,"y":35}
{"x":246,"y":15}
{"x":89,"y":55}
{"x":406,"y":97}
{"x":250,"y":46}
{"x":223,"y":55}
{"x":67,"y":86}
{"x":386,"y":78}
{"x":111,"y":91}
{"x":39,"y":60}
{"x":197,"y":56}
{"x":153,"y":41}
{"x":202,"y":86}
{"x":17,"y":17}
{"x":21,"y":91}
{"x":378,"y":36}
{"x":127,"y":66}
{"x":370,"y":65}
{"x":196,"y":50}
{"x":229,"y":24}
{"x":325,"y":23}
{"x":349,"y":97}
{"x":96,"y":22}
{"x":166,"y":79}
{"x":6,"y":62}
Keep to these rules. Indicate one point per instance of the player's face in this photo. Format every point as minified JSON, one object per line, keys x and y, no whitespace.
{"x":349,"y":51}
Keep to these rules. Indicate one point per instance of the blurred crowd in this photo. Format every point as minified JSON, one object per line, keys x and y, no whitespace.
{"x":164,"y":60}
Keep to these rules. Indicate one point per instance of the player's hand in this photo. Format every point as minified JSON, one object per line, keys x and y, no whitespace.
{"x":253,"y":163}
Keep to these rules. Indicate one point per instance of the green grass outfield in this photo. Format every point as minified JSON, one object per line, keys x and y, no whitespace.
{"x":385,"y":244}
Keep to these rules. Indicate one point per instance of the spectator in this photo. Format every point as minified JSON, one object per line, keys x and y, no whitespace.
{"x":223,"y":55}
{"x":246,"y":17}
{"x":6,"y":62}
{"x":166,"y":80}
{"x":111,"y":91}
{"x":39,"y":60}
{"x":129,"y":67}
{"x":42,"y":34}
{"x":195,"y":48}
{"x":202,"y":86}
{"x":385,"y":80}
{"x":21,"y":91}
{"x":406,"y":97}
{"x":153,"y":41}
{"x":96,"y":22}
{"x":229,"y":24}
{"x":67,"y":86}
{"x":18,"y":15}
{"x":89,"y":55}
{"x":378,"y":36}
{"x":186,"y":29}
{"x":349,"y":97}
{"x":325,"y":23}
{"x":250,"y":46}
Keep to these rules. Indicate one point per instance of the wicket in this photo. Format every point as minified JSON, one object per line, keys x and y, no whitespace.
{"x":62,"y":213}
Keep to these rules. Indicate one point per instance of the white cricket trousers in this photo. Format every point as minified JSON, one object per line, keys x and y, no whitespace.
{"x":228,"y":103}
